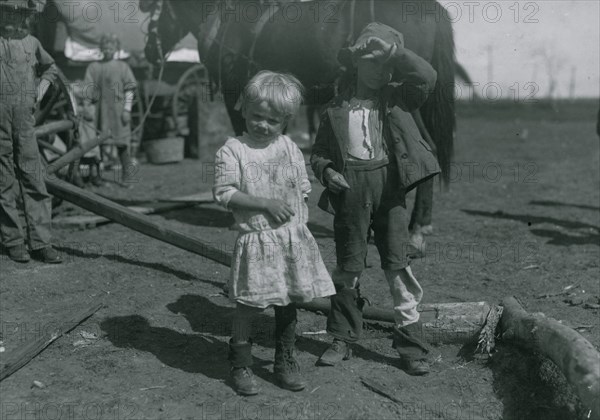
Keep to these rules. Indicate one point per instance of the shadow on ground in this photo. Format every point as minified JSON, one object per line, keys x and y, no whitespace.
{"x":577,"y":233}
{"x":128,"y":255}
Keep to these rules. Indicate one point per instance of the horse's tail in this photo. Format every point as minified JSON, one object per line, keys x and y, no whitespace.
{"x":438,"y":111}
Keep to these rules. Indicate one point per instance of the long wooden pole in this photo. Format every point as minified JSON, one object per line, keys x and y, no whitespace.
{"x":576,"y":357}
{"x":135,"y":221}
{"x":24,"y":354}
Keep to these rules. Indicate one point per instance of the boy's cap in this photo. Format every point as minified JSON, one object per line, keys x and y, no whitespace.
{"x":374,"y":29}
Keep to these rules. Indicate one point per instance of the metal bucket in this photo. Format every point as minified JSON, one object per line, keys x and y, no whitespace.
{"x":167,"y":150}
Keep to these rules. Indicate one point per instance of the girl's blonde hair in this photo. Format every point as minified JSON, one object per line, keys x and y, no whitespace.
{"x":282,"y":91}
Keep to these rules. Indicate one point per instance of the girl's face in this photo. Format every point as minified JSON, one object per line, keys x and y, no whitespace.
{"x":263,"y":123}
{"x":373,"y":74}
{"x":108,"y":48}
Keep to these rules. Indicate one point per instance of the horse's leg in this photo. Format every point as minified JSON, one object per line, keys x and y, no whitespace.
{"x":311,"y":110}
{"x":421,"y":215}
{"x":420,"y":219}
{"x":233,"y":78}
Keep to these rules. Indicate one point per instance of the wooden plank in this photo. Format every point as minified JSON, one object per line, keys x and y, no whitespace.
{"x":91,"y":220}
{"x":14,"y":361}
{"x":575,"y":356}
{"x":198,"y":198}
{"x":138,"y":222}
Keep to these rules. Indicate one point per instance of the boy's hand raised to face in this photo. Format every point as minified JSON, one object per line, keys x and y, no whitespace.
{"x":375,"y":49}
{"x":336,"y":183}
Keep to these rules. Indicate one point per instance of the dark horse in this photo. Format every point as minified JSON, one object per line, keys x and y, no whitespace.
{"x":237,"y":38}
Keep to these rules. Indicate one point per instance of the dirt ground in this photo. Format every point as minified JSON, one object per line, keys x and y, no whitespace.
{"x":522,"y":218}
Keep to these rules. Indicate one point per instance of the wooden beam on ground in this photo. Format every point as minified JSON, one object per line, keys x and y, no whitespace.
{"x":138,"y":222}
{"x":75,"y":153}
{"x":83,"y":221}
{"x":450,"y":323}
{"x":20,"y":357}
{"x":576,"y":357}
{"x":199,"y":198}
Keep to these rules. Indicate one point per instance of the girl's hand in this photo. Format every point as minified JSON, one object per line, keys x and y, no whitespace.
{"x":126,"y":117}
{"x":279,"y":210}
{"x":336,"y":182}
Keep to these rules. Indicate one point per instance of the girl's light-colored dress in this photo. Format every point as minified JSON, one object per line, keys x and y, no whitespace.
{"x":273,"y":264}
{"x":105,"y":84}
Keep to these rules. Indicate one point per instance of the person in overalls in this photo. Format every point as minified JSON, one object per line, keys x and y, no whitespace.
{"x":21,"y":172}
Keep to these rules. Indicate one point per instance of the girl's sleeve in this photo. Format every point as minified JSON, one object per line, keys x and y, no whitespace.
{"x":305,"y":185}
{"x":129,"y":82}
{"x":227,"y":176}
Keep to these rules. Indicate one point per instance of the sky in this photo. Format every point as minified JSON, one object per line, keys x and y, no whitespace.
{"x":516,"y":48}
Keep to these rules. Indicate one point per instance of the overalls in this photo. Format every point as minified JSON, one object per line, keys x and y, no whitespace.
{"x":21,"y":171}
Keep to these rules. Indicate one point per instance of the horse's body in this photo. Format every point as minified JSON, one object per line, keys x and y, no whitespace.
{"x":304,"y":38}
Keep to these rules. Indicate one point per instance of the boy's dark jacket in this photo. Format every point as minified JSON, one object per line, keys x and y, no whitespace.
{"x":415,"y":161}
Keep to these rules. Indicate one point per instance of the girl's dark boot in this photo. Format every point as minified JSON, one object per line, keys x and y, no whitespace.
{"x":240,"y":358}
{"x":286,"y":368}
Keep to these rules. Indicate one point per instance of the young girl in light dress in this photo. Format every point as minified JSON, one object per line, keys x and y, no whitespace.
{"x":261,"y":177}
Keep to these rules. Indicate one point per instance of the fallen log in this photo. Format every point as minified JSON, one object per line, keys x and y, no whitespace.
{"x":576,"y":357}
{"x":15,"y":361}
{"x":450,"y":323}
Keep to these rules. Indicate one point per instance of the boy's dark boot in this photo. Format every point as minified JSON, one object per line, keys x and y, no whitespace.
{"x":344,"y":323}
{"x":412,"y":349}
{"x":240,"y":358}
{"x":47,"y":255}
{"x":19,"y":253}
{"x":286,"y":368}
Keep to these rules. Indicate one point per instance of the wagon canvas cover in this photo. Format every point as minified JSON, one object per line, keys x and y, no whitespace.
{"x":80,"y":25}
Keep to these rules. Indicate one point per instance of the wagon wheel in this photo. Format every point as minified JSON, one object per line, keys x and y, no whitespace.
{"x":58,"y":108}
{"x":192,"y":96}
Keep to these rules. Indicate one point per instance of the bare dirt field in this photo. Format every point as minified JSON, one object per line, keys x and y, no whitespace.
{"x":522,"y":218}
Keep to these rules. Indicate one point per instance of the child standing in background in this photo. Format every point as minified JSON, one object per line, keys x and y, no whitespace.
{"x":111,"y":86}
{"x":261,"y":177}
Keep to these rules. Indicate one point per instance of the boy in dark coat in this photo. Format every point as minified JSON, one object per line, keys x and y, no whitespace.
{"x":368,"y":154}
{"x":22,"y":58}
